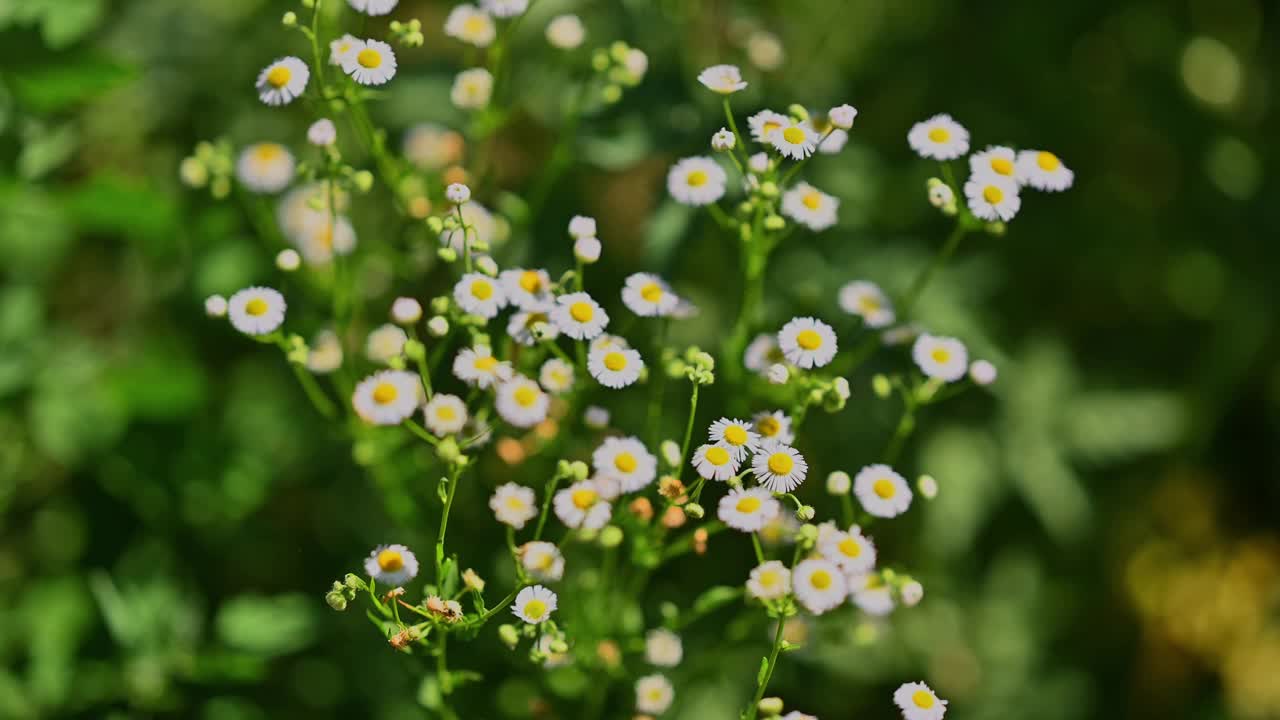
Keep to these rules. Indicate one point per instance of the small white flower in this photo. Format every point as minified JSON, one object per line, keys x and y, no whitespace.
{"x":445,"y":414}
{"x":943,"y":358}
{"x":325,"y":354}
{"x":748,"y":510}
{"x":636,"y":63}
{"x":810,"y":207}
{"x":723,"y":140}
{"x":319,"y":237}
{"x":556,"y":376}
{"x":982,"y":372}
{"x":521,"y":402}
{"x":391,"y":565}
{"x":654,"y":694}
{"x":282,"y":81}
{"x":586,"y":249}
{"x":438,"y":326}
{"x":322,"y":133}
{"x":406,"y":311}
{"x":912,"y":593}
{"x":457,"y":193}
{"x":504,"y":8}
{"x":796,"y":140}
{"x":918,"y":702}
{"x":881,"y":491}
{"x":542,"y":560}
{"x":626,"y":460}
{"x":342,"y":48}
{"x":663,"y":648}
{"x":566,"y":32}
{"x":758,"y":163}
{"x":595,"y":417}
{"x":774,"y":425}
{"x":372,"y":62}
{"x":778,"y":374}
{"x":265,"y":167}
{"x":928,"y":486}
{"x":513,"y":505}
{"x":527,"y":327}
{"x":941,"y":195}
{"x":939,"y":138}
{"x":714,"y":462}
{"x":215,"y":306}
{"x":469,"y":24}
{"x":833,"y":142}
{"x":819,"y":585}
{"x":384,"y":343}
{"x":479,"y":368}
{"x":615,"y":367}
{"x":256,"y":310}
{"x":762,"y":353}
{"x":648,"y":295}
{"x":479,"y":295}
{"x":582,"y":226}
{"x":842,"y":116}
{"x":1043,"y":170}
{"x":769,"y":581}
{"x":992,"y":197}
{"x":471,"y":89}
{"x":579,"y":316}
{"x":762,"y":126}
{"x":807,"y":342}
{"x":388,"y":397}
{"x":534,"y":604}
{"x":737,"y":436}
{"x":779,"y":467}
{"x":526,"y":289}
{"x":867,"y":301}
{"x":582,"y":505}
{"x":696,"y":181}
{"x":851,"y":550}
{"x":723,"y":79}
{"x":995,"y":160}
{"x":670,"y":452}
{"x":373,"y":7}
{"x":839,"y":482}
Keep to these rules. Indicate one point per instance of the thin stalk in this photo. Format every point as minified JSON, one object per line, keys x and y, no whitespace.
{"x":926,"y":276}
{"x":444,"y":525}
{"x":688,"y":430}
{"x":317,"y":396}
{"x":750,"y":713}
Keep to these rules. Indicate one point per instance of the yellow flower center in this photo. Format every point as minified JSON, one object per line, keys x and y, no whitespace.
{"x":514,"y":503}
{"x":780,"y":463}
{"x":446,"y":413}
{"x":615,"y":361}
{"x":256,"y":307}
{"x":768,"y":426}
{"x":369,"y":58}
{"x":850,"y":548}
{"x":1003,"y":166}
{"x":820,"y":579}
{"x":481,"y":290}
{"x":545,"y":561}
{"x":769,"y":127}
{"x":526,"y":395}
{"x":651,"y":292}
{"x":884,"y":488}
{"x":812,"y":200}
{"x":584,"y":498}
{"x":582,"y":311}
{"x":940,"y":355}
{"x":869,"y":304}
{"x":390,"y":561}
{"x":385,"y":393}
{"x":793,"y":135}
{"x":923,"y":699}
{"x":748,"y":504}
{"x":809,"y":339}
{"x":1048,"y":161}
{"x":266,"y":152}
{"x":486,"y":363}
{"x":535,"y":609}
{"x":279,"y":76}
{"x":697,"y":178}
{"x":736,"y":435}
{"x":530,"y":281}
{"x":474,"y":25}
{"x":992,"y":194}
{"x":717,"y":456}
{"x":625,"y":462}
{"x":770,"y":578}
{"x":939,"y":135}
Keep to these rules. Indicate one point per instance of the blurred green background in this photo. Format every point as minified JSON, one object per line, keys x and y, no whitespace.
{"x":1105,"y":544}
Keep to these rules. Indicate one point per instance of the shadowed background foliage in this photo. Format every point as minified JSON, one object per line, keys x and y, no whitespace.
{"x":172,"y":510}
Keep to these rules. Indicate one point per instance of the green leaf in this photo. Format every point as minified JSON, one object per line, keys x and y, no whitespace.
{"x":114,"y":204}
{"x":58,"y":84}
{"x":46,"y":151}
{"x":267,"y":625}
{"x":715,"y":597}
{"x":68,"y":20}
{"x":764,"y":671}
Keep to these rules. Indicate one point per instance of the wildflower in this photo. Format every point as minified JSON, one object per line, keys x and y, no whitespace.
{"x":526,"y":289}
{"x":445,"y":414}
{"x":982,"y":372}
{"x":995,"y":160}
{"x":735,"y":435}
{"x":852,"y":551}
{"x":479,"y":295}
{"x":810,"y":207}
{"x":406,"y":311}
{"x":256,"y":310}
{"x":912,"y":593}
{"x":372,"y":62}
{"x":942,"y":196}
{"x":625,"y":460}
{"x":807,"y":342}
{"x":615,"y":367}
{"x":480,"y":227}
{"x":714,"y":462}
{"x":556,"y":376}
{"x":521,"y":402}
{"x":579,"y":316}
{"x":534,"y":604}
{"x":882,"y":492}
{"x":438,"y":326}
{"x":392,"y":565}
{"x":939,"y":138}
{"x":769,"y":581}
{"x":373,"y":7}
{"x":320,"y":237}
{"x":479,"y":368}
{"x":663,"y":648}
{"x":842,"y":116}
{"x":595,"y":417}
{"x":282,"y":81}
{"x":636,"y":63}
{"x":1043,"y":170}
{"x":340,"y":49}
{"x":696,"y":181}
{"x":778,"y":467}
{"x":833,"y":142}
{"x":748,"y":510}
{"x":566,"y":32}
{"x":215,"y":306}
{"x":542,"y":560}
{"x":471,"y":89}
{"x":388,"y":397}
{"x":723,"y":79}
{"x":795,"y":140}
{"x":470,"y":25}
{"x":762,"y":126}
{"x":654,"y":694}
{"x":775,"y":425}
{"x":762,"y":353}
{"x":265,"y":167}
{"x":504,"y":8}
{"x":457,"y":193}
{"x":648,"y":295}
{"x":582,"y":226}
{"x":992,"y":197}
{"x":581,"y":506}
{"x":723,"y":140}
{"x":586,"y":249}
{"x":325,"y":355}
{"x":819,"y":585}
{"x":918,"y":702}
{"x":867,"y":301}
{"x":943,"y":358}
{"x":447,"y":610}
{"x":513,"y":505}
{"x":527,"y":327}
{"x":322,"y":133}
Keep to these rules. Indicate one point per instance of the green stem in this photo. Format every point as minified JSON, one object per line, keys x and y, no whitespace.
{"x":444,"y":524}
{"x":321,"y":401}
{"x":750,"y":712}
{"x":926,"y":276}
{"x":546,"y":505}
{"x":755,"y":542}
{"x":906,"y":424}
{"x":688,"y":430}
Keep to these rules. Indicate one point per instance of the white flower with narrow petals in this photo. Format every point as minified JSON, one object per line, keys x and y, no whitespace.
{"x":265,"y":167}
{"x":627,"y":460}
{"x":388,"y":397}
{"x":556,"y":376}
{"x":579,"y":316}
{"x":283,"y":81}
{"x":521,"y":402}
{"x":748,"y":510}
{"x":992,"y":197}
{"x":445,"y":414}
{"x":384,"y":343}
{"x":762,"y":126}
{"x":526,"y":289}
{"x":479,"y":368}
{"x":881,"y":491}
{"x":648,"y":295}
{"x":714,"y":462}
{"x":470,"y":25}
{"x":373,"y":7}
{"x":566,"y":32}
{"x":918,"y":702}
{"x":842,"y":116}
{"x":696,"y":181}
{"x":479,"y":294}
{"x":528,"y":327}
{"x":796,"y":140}
{"x":819,"y":585}
{"x":582,"y":505}
{"x":939,"y":138}
{"x":1043,"y":170}
{"x":810,"y":207}
{"x":372,"y":62}
{"x":852,"y":551}
{"x":723,"y":79}
{"x":256,"y":310}
{"x":514,"y":505}
{"x":615,"y":367}
{"x":775,"y":425}
{"x":542,"y":560}
{"x":737,"y":436}
{"x":870,"y":594}
{"x":995,"y":160}
{"x":391,"y":565}
{"x":325,"y":355}
{"x":534,"y":604}
{"x":769,"y":581}
{"x":471,"y":89}
{"x":663,"y":648}
{"x":942,"y":358}
{"x":762,"y":353}
{"x":867,"y":301}
{"x":779,"y":467}
{"x":807,"y":342}
{"x":342,"y":48}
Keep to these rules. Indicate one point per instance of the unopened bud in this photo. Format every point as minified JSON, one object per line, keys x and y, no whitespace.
{"x":508,"y":635}
{"x":770,"y":706}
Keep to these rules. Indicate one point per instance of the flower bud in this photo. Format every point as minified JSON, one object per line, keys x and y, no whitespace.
{"x":438,"y":326}
{"x":774,"y":223}
{"x":670,"y":452}
{"x":290,"y":19}
{"x":912,"y":593}
{"x":215,"y":306}
{"x":354,"y":582}
{"x":770,"y":706}
{"x":807,"y":535}
{"x":336,"y":600}
{"x":578,"y":471}
{"x":805,"y":513}
{"x":193,"y":172}
{"x":881,"y":386}
{"x":841,"y":387}
{"x":769,"y":189}
{"x":611,"y":536}
{"x":435,"y":225}
{"x":487,"y":265}
{"x":586,"y":249}
{"x":778,"y":374}
{"x":694,"y":510}
{"x":447,"y":254}
{"x":472,"y":580}
{"x":363,"y":181}
{"x":406,"y":311}
{"x":508,"y":635}
{"x":288,"y":260}
{"x":457,"y":193}
{"x":927,"y":486}
{"x":838,"y":483}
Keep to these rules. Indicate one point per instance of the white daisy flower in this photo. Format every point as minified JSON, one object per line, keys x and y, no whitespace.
{"x":723,"y":79}
{"x":810,"y":207}
{"x":479,"y":368}
{"x":457,"y":193}
{"x":737,"y":436}
{"x":325,"y":354}
{"x":870,"y":594}
{"x":582,"y":226}
{"x":504,"y":8}
{"x":943,"y":358}
{"x":852,"y":551}
{"x":648,"y":295}
{"x":748,"y":510}
{"x":521,"y":326}
{"x":406,"y":311}
{"x":663,"y":648}
{"x":479,"y":295}
{"x":256,"y":310}
{"x":578,"y":316}
{"x":556,"y":376}
{"x":384,"y":343}
{"x":833,"y":142}
{"x":615,"y":368}
{"x":445,"y":414}
{"x":342,"y":48}
{"x":819,"y":585}
{"x":807,"y":342}
{"x":842,"y":116}
{"x":581,"y":505}
{"x":526,"y":289}
{"x":796,"y":140}
{"x":470,"y":25}
{"x":521,"y":402}
{"x":627,"y":460}
{"x":918,"y":702}
{"x":992,"y":197}
{"x":769,"y":581}
{"x":881,"y":491}
{"x":513,"y":504}
{"x":723,"y":140}
{"x":779,"y":467}
{"x":471,"y":89}
{"x":371,"y":63}
{"x":654,"y":694}
{"x":995,"y":160}
{"x":542,"y":560}
{"x":373,"y":7}
{"x":265,"y":167}
{"x":388,"y":397}
{"x":282,"y":81}
{"x":762,"y":125}
{"x":609,"y":342}
{"x":867,"y":301}
{"x":714,"y":462}
{"x":215,"y":306}
{"x":775,"y":425}
{"x":586,"y":249}
{"x":696,"y":181}
{"x":391,"y":565}
{"x":1043,"y":170}
{"x":762,"y":353}
{"x":534,"y":604}
{"x":566,"y":32}
{"x":939,"y":137}
{"x":319,"y":237}
{"x":982,"y":372}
